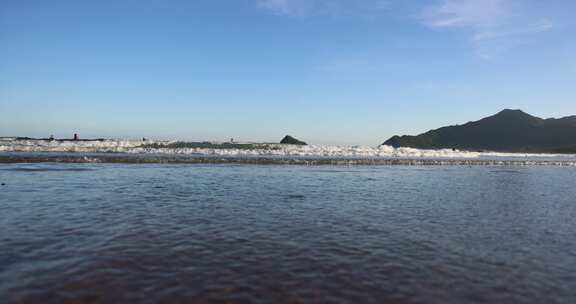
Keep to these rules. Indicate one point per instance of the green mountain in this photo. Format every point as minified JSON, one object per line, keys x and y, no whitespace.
{"x":289,"y":140}
{"x":507,"y":131}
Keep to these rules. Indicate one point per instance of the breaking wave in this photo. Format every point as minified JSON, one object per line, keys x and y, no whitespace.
{"x":167,"y":151}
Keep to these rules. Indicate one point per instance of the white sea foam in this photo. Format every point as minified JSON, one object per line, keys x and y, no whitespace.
{"x":13,"y":145}
{"x":276,"y":150}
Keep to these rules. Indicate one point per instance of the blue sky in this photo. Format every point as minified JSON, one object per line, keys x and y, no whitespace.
{"x":325,"y":71}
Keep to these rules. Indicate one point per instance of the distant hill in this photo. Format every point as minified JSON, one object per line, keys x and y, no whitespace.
{"x":289,"y":140}
{"x":507,"y":131}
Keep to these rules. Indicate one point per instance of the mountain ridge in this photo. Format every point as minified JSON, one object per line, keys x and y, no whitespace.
{"x":507,"y":131}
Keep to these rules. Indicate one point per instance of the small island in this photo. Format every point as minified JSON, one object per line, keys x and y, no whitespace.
{"x":289,"y":140}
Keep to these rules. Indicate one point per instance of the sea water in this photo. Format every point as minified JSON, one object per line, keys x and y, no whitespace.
{"x":154,"y":233}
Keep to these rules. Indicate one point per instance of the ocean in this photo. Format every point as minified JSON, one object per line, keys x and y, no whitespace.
{"x":237,"y":233}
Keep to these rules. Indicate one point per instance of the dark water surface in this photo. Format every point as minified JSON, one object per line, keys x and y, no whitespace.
{"x":96,"y":233}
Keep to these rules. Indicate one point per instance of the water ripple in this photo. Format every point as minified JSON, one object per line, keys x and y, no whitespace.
{"x":181,"y":234}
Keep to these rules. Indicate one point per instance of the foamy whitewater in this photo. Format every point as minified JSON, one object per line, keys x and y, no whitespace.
{"x":264,"y":150}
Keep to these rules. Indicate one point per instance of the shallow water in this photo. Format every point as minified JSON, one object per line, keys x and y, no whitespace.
{"x":317,"y":160}
{"x":201,"y":233}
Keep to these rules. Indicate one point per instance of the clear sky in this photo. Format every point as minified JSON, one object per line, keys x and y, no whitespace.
{"x":325,"y":71}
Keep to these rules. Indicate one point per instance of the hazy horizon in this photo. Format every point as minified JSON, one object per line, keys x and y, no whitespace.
{"x":272,"y":140}
{"x":326,"y":72}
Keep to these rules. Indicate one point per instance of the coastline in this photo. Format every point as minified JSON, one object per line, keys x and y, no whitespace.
{"x":156,"y":152}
